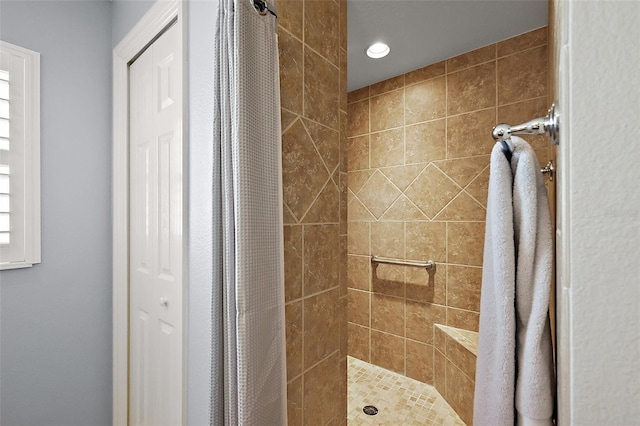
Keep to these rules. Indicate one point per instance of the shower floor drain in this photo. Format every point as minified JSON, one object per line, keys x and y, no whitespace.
{"x":370,"y":410}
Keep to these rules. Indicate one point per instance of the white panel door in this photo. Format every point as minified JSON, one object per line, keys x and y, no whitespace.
{"x":155,"y":203}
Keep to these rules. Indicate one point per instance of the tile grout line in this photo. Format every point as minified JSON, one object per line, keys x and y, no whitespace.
{"x":369,"y":297}
{"x":444,"y":117}
{"x":302,"y":299}
{"x":311,"y":48}
{"x":369,"y":127}
{"x":446,"y":110}
{"x":404,"y":299}
{"x":306,"y":370}
{"x":312,"y":223}
{"x":404,"y":120}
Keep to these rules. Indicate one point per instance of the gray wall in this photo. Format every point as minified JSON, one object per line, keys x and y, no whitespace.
{"x":202,"y":16}
{"x":125,"y":14}
{"x":55,"y":318}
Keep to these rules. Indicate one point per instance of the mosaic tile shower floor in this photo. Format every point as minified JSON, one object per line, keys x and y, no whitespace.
{"x":400,"y":400}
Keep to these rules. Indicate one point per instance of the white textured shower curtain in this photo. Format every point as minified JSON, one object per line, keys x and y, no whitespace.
{"x":248,"y":381}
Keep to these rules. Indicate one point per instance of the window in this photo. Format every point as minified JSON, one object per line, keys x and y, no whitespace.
{"x":19,"y":157}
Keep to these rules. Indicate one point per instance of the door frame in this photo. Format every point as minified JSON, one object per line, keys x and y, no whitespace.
{"x":157,"y":18}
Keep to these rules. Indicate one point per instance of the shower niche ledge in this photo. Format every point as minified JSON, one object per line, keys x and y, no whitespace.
{"x":454,"y":367}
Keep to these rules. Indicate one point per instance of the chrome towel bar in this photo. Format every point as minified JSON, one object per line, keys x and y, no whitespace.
{"x":538,"y":126}
{"x":426,"y":264}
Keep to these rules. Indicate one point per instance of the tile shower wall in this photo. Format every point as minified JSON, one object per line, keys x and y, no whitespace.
{"x":313,"y":75}
{"x":418,"y":166}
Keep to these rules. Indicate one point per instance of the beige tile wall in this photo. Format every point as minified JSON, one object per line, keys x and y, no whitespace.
{"x":418,"y":166}
{"x":454,"y":368}
{"x":312,"y":42}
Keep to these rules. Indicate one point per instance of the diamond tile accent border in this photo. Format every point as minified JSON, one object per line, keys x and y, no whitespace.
{"x":378,"y":194}
{"x":399,"y":399}
{"x":303,"y":171}
{"x":432,"y":190}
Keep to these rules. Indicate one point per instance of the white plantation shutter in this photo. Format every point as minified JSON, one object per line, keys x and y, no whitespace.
{"x":5,"y":179}
{"x":19,"y":157}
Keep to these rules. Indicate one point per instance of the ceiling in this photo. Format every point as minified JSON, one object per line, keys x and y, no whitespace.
{"x":422,"y":32}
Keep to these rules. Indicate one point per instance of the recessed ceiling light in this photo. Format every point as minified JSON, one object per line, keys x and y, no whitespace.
{"x":377,"y":50}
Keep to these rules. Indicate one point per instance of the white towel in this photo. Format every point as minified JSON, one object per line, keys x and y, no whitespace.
{"x":514,"y":374}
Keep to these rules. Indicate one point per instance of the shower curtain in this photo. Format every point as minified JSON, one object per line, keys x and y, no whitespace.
{"x":248,"y":380}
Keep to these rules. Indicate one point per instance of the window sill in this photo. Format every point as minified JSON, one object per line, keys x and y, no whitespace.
{"x":15,"y":265}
